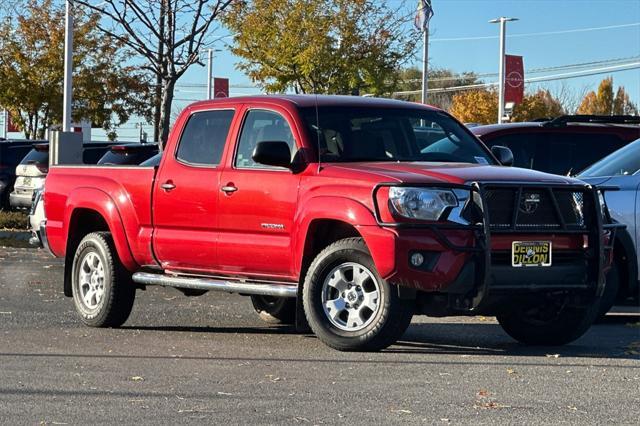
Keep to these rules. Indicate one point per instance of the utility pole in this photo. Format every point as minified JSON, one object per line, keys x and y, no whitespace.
{"x":503,"y":29}
{"x":209,"y":71}
{"x":68,"y":67}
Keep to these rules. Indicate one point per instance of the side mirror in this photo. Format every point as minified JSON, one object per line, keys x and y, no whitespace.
{"x":272,"y":153}
{"x":503,"y":154}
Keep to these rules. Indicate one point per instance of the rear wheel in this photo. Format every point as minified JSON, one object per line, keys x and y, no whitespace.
{"x":103,"y":293}
{"x":548,"y":321}
{"x":347,"y":303}
{"x":275,"y":310}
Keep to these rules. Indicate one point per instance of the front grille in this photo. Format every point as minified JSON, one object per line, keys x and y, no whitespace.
{"x":529,"y":208}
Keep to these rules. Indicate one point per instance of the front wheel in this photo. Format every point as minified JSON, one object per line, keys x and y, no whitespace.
{"x":551,"y":321}
{"x":103,"y":293}
{"x":348,"y":305}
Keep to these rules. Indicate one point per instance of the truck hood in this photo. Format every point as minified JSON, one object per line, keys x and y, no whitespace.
{"x":458,"y":173}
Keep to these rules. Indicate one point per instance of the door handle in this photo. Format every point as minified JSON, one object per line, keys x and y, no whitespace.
{"x":168,"y":186}
{"x":229,"y":189}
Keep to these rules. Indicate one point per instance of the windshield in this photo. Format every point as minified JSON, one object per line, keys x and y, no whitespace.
{"x":383,"y":134}
{"x":623,"y":162}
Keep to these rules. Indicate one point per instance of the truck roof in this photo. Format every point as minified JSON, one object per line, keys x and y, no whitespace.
{"x":303,"y":101}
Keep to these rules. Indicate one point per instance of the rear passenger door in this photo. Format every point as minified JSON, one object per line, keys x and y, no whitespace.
{"x":258,"y":202}
{"x":185,"y":199}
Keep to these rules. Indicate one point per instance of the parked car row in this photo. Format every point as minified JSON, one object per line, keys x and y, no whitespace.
{"x":24,"y":165}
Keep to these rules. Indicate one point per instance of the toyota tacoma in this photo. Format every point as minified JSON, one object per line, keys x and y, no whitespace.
{"x":343,"y":214}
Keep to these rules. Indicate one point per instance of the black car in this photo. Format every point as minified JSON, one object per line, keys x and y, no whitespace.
{"x":129,"y":154}
{"x":11,"y":154}
{"x":565,"y":145}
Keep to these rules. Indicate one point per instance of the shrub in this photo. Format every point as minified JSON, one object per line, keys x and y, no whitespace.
{"x":13,"y":220}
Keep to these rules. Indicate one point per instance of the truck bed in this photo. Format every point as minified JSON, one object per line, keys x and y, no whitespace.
{"x":114,"y":192}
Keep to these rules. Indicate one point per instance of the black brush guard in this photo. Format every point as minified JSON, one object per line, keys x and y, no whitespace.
{"x":599,"y":230}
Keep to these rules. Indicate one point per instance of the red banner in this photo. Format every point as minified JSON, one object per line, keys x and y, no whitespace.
{"x":514,"y":79}
{"x":11,"y":126}
{"x":220,"y":87}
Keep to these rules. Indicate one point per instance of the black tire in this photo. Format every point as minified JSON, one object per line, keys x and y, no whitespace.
{"x":548,"y":321}
{"x":611,"y":289}
{"x":275,"y":310}
{"x":115,"y":305}
{"x":384,"y":326}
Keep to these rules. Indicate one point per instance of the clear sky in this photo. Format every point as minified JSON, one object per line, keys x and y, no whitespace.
{"x":468,"y":19}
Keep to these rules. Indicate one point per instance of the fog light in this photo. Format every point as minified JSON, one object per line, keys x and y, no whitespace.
{"x":417,"y":259}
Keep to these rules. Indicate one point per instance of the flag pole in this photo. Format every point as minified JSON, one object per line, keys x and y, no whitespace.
{"x":423,"y":16}
{"x":425,"y":63}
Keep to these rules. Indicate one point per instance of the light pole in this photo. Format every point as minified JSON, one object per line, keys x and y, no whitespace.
{"x":68,"y":67}
{"x":503,"y":29}
{"x":210,"y":94}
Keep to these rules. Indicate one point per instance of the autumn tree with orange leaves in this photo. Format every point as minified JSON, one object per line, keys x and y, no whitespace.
{"x":604,"y":102}
{"x":481,"y":106}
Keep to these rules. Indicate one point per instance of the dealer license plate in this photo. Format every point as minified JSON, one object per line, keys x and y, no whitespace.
{"x":530,"y":253}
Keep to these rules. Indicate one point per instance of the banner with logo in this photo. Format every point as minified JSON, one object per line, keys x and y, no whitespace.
{"x":220,"y":87}
{"x":513,"y":79}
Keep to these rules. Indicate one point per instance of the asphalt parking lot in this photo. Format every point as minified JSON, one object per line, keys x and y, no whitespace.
{"x":210,"y":359}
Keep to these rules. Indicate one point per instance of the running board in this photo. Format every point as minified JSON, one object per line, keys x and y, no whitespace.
{"x":260,"y":289}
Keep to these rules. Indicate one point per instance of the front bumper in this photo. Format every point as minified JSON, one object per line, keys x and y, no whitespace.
{"x":469,"y":262}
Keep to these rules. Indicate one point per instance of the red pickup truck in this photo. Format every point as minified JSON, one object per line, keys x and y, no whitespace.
{"x":345,"y":214}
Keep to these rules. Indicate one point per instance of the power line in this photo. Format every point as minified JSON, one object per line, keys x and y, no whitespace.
{"x":576,"y":30}
{"x":563,"y":76}
{"x":616,"y":61}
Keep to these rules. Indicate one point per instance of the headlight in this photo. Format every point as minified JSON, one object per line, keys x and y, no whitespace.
{"x":421,"y":203}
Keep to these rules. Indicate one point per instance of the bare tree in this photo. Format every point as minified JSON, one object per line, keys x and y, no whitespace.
{"x":167,"y":34}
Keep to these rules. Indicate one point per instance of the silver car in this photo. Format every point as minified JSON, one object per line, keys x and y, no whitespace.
{"x":30,"y":176}
{"x":621,"y":169}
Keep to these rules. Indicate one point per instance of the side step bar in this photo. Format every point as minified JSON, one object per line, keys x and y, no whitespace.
{"x":216,"y":284}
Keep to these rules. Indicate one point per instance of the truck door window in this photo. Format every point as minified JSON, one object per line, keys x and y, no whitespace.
{"x":204,"y":137}
{"x":261,"y":126}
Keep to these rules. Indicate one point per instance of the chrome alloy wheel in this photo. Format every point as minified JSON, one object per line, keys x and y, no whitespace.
{"x":91,"y":279}
{"x":350,"y":296}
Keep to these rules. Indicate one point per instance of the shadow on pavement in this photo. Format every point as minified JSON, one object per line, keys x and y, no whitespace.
{"x":601,"y":341}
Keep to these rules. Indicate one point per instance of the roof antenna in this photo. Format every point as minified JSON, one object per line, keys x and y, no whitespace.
{"x":318,"y":133}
